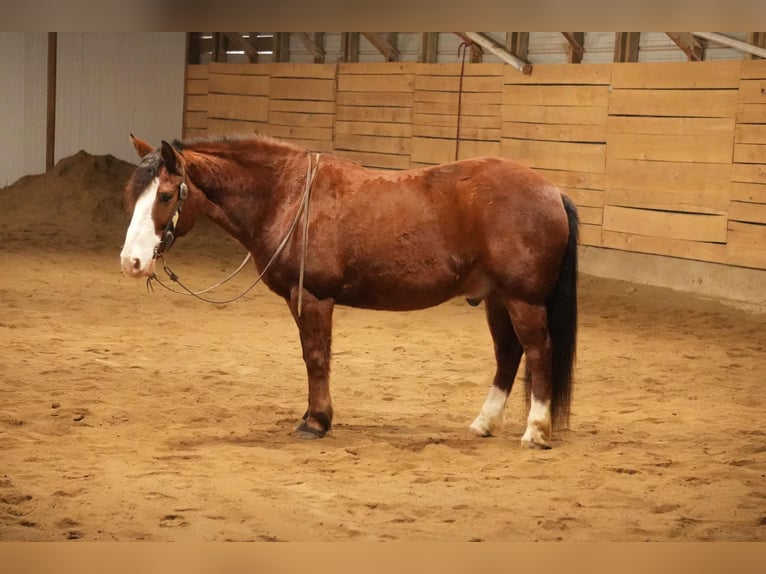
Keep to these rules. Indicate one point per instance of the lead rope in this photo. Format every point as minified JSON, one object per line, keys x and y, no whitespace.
{"x":463,"y":47}
{"x":309,"y":178}
{"x":310,"y":174}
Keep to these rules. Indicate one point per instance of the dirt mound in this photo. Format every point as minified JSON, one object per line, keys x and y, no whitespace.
{"x":78,"y":197}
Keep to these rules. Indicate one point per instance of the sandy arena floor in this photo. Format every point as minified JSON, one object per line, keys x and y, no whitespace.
{"x":126,"y":415}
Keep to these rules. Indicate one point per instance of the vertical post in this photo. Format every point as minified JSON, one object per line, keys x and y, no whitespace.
{"x":281,"y":47}
{"x":517,"y":43}
{"x":350,"y":46}
{"x":50,"y":135}
{"x":429,"y":43}
{"x":193,"y":48}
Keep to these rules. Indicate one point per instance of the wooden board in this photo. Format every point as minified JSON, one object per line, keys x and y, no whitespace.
{"x":197,"y":72}
{"x":374,"y":114}
{"x":527,"y":95}
{"x":665,"y":224}
{"x":751,"y":113}
{"x":708,"y":178}
{"x":387,"y":161}
{"x":301,"y":120}
{"x":665,"y":75}
{"x":471,"y":148}
{"x":685,"y":103}
{"x":244,"y":85}
{"x":668,"y":147}
{"x":299,"y":70}
{"x":585,"y":157}
{"x":385,"y":129}
{"x":389,"y":145}
{"x":748,"y":212}
{"x":302,"y":106}
{"x":235,"y":107}
{"x":391,"y":68}
{"x":572,"y":115}
{"x":239,"y":69}
{"x":749,"y":153}
{"x":302,"y":89}
{"x":590,"y":215}
{"x":751,"y":192}
{"x":691,"y":201}
{"x":753,"y":69}
{"x":585,"y":197}
{"x":216,"y":126}
{"x":432,"y":150}
{"x":195,"y":120}
{"x":750,"y":133}
{"x":683,"y":248}
{"x":752,"y":92}
{"x":748,"y":172}
{"x":199,"y":87}
{"x":375,"y":83}
{"x":384,"y":99}
{"x":751,"y":235}
{"x":554,"y":132}
{"x":196,"y":103}
{"x":590,"y":234}
{"x":571,"y":180}
{"x":712,"y":127}
{"x":593,"y":74}
{"x":298,"y":132}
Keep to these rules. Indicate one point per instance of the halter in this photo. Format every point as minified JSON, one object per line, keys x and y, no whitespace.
{"x":168,"y":238}
{"x":168,"y":234}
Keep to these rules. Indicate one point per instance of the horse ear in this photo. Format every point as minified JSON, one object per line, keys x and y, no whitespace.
{"x":142,"y":148}
{"x":173,"y":160}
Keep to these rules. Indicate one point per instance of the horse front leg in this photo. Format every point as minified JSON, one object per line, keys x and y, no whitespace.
{"x":315,"y":327}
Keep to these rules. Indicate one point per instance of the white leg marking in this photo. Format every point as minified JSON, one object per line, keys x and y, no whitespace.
{"x":538,"y":424}
{"x":490,"y":419}
{"x":136,"y":256}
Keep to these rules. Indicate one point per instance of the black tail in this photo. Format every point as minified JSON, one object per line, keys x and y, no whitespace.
{"x":562,"y":324}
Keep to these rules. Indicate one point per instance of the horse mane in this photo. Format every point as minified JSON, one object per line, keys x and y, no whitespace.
{"x":234,"y":143}
{"x":150,"y":165}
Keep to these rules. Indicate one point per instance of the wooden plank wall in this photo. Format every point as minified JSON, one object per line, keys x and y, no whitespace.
{"x":669,"y":147}
{"x":440,"y":99}
{"x":555,"y":121}
{"x":301,"y":104}
{"x":662,"y":158}
{"x":195,"y":101}
{"x":374,"y":114}
{"x":238,"y":98}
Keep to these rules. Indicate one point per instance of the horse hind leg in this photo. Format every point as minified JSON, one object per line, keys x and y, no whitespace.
{"x":530,"y":323}
{"x":508,"y":352}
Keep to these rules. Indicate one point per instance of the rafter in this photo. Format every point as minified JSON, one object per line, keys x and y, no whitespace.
{"x":692,"y":47}
{"x":390,"y":53}
{"x":237,"y":40}
{"x":491,"y":46}
{"x":313,"y":45}
{"x":576,"y":46}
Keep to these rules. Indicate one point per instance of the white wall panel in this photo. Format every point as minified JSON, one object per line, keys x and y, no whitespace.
{"x":23,"y":95}
{"x":113,"y":84}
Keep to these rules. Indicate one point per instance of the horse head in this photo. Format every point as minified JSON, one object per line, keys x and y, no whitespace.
{"x":162,"y":201}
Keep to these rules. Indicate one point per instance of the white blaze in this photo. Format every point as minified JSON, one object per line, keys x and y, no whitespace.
{"x":137,"y":253}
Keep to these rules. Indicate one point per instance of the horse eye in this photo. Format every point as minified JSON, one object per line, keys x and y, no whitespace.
{"x":165,"y":197}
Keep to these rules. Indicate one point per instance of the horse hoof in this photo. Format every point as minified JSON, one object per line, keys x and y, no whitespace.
{"x":535,"y":443}
{"x":473,"y":302}
{"x":305,"y":432}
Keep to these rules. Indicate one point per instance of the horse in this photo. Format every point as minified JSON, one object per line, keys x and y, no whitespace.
{"x":488,"y":229}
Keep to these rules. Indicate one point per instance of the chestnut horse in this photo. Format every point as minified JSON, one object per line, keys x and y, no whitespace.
{"x":486,"y":229}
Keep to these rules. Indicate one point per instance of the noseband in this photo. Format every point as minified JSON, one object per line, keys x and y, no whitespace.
{"x":168,"y":234}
